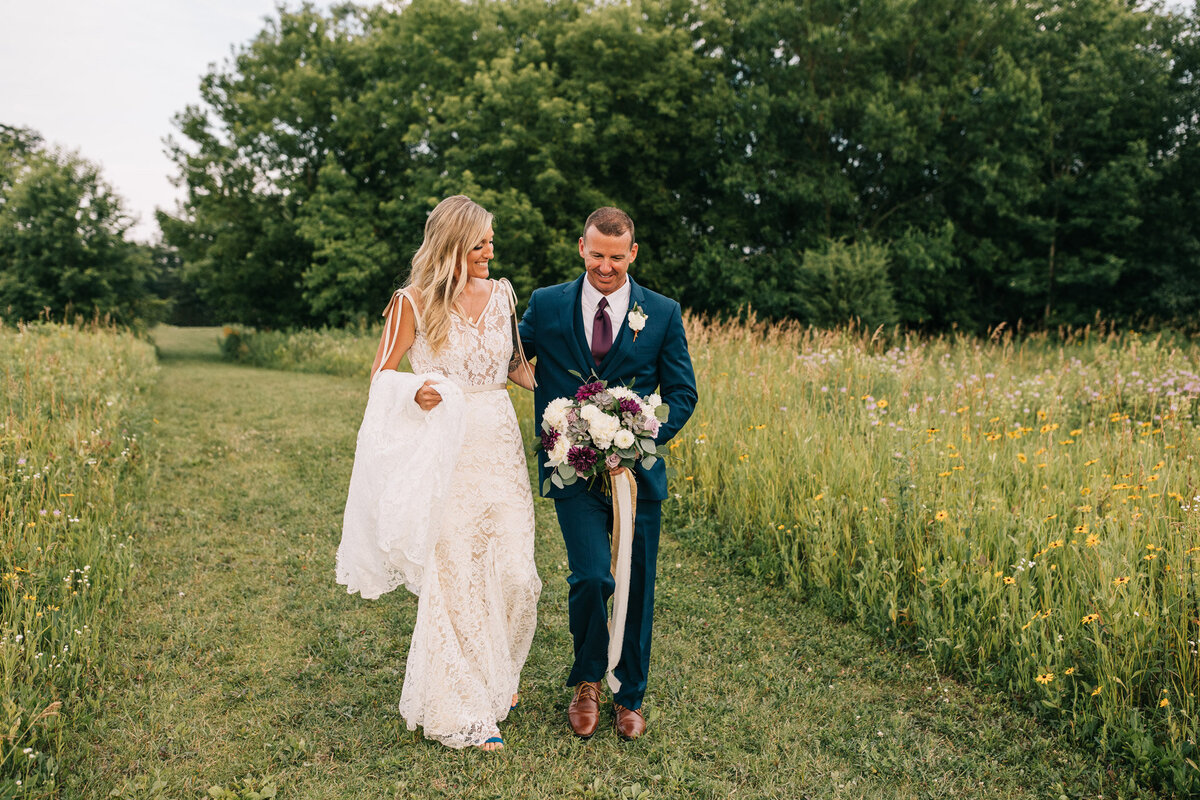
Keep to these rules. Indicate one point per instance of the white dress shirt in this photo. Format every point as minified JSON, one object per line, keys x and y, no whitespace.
{"x":618,"y":307}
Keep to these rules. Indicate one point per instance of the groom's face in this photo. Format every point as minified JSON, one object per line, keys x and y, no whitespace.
{"x":606,"y":258}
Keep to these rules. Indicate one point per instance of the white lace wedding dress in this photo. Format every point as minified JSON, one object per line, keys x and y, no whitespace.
{"x":477,"y":610}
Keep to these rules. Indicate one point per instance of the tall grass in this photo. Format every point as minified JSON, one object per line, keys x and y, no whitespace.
{"x":1024,"y":512}
{"x":70,"y":468}
{"x":329,"y":351}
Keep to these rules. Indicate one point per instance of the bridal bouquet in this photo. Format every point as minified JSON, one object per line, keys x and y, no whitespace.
{"x":602,"y":428}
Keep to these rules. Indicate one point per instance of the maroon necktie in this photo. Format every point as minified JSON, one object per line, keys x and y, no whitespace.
{"x":601,"y":332}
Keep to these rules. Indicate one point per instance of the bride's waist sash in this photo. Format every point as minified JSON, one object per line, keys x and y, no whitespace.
{"x":485,"y":387}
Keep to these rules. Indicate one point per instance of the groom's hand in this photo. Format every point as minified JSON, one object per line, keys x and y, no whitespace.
{"x":427,"y":397}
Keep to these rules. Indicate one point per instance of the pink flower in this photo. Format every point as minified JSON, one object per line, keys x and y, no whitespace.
{"x":613,"y":461}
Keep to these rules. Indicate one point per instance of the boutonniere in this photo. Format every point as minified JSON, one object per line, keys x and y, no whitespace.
{"x":637,"y":320}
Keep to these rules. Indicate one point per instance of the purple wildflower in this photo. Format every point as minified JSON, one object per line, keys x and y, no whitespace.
{"x":582,"y":459}
{"x":589,"y":389}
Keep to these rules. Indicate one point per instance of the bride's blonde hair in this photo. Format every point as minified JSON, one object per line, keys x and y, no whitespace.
{"x":439,"y":268}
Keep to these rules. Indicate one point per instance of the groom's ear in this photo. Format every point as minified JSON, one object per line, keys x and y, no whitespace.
{"x":581,"y":255}
{"x":632,"y":252}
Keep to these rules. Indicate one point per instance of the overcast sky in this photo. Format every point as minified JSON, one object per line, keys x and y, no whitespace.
{"x":104,"y":77}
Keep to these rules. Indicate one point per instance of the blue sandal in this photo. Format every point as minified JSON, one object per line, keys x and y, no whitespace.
{"x":495,"y":740}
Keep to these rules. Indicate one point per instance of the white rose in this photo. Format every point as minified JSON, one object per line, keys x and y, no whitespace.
{"x":556,"y":413}
{"x":602,"y":429}
{"x":637,"y":321}
{"x":624,"y":439}
{"x":558,"y":453}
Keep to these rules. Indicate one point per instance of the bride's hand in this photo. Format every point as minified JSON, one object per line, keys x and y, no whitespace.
{"x":427,"y":397}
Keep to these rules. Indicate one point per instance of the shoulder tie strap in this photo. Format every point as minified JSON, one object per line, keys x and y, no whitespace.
{"x":391,"y":325}
{"x":516,"y":333}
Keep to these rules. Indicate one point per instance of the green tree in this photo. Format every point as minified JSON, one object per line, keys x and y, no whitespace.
{"x":63,"y":244}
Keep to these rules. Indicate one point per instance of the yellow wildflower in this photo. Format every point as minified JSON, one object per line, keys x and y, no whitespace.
{"x":1121,"y":581}
{"x":1021,"y":457}
{"x":941,"y":515}
{"x":1097,"y":690}
{"x":1044,"y":679}
{"x":1089,"y":619}
{"x":1092,"y":540}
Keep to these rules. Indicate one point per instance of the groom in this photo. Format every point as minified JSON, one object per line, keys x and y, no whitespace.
{"x":582,"y":327}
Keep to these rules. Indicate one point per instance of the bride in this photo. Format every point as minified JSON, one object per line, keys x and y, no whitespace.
{"x":439,"y":499}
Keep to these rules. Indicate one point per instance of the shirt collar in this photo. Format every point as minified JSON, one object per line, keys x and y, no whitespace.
{"x":619,"y":299}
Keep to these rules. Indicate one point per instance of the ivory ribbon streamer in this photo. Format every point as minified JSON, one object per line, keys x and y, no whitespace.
{"x":624,"y":496}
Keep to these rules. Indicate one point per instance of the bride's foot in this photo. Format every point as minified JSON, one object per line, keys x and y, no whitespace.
{"x":492,"y":745}
{"x":516,"y":701}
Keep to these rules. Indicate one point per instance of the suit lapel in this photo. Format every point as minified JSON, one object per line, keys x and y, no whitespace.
{"x":570,"y":317}
{"x":623,"y":346}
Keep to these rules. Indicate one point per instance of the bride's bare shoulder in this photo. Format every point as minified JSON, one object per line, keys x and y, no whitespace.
{"x":414,"y":297}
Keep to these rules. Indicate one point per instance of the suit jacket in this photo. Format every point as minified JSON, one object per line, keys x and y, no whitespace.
{"x":552,"y":331}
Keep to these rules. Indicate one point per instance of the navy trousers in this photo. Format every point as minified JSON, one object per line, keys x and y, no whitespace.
{"x":586,"y":520}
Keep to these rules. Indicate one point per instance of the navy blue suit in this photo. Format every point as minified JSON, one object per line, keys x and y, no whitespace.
{"x":552,"y":332}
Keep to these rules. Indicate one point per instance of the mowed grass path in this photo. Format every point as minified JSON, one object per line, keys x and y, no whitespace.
{"x":239,"y":662}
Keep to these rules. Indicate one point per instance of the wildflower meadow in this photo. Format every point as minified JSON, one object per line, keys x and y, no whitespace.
{"x":1022,"y":510}
{"x":71,"y":467}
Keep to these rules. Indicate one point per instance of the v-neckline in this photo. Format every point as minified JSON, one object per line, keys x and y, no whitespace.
{"x":478,"y":326}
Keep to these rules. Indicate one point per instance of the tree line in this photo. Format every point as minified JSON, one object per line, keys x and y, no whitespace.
{"x":932,"y":163}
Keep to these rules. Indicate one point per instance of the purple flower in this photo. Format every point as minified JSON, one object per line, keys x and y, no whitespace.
{"x":652,"y":425}
{"x":613,"y":461}
{"x":20,"y":462}
{"x":549,"y":439}
{"x":582,"y":458}
{"x":589,"y":389}
{"x":630,"y":406}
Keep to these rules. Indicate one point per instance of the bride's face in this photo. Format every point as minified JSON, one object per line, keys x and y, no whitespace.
{"x":479,"y":255}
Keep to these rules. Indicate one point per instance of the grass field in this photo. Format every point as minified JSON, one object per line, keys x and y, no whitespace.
{"x":241,"y":667}
{"x":1023,"y":513}
{"x":71,"y":471}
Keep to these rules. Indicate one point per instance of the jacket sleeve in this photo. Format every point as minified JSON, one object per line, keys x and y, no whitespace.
{"x":528,"y":328}
{"x":676,"y":379}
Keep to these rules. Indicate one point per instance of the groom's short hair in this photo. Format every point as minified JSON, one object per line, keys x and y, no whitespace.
{"x":611,"y":222}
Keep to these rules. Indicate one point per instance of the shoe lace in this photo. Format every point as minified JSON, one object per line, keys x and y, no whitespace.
{"x":588,"y":691}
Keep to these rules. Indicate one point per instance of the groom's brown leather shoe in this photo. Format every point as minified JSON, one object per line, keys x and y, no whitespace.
{"x":629,"y":722}
{"x":584,"y":711}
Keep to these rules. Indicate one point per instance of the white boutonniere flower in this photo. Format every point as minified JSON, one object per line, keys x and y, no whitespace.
{"x":636,"y":319}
